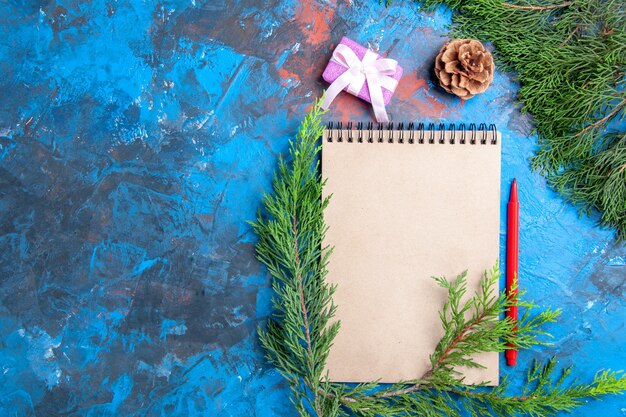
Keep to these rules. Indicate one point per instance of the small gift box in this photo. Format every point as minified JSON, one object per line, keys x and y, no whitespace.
{"x":363,"y":73}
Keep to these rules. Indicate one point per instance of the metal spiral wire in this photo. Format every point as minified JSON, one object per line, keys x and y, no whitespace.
{"x":411,"y":133}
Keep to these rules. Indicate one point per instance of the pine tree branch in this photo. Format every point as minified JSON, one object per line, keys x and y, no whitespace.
{"x":470,"y":325}
{"x":548,"y":7}
{"x":482,"y":395}
{"x":603,"y":120}
{"x":571,"y":34}
{"x":544,"y":394}
{"x":487,"y":308}
{"x":305,"y":316}
{"x":569,"y":87}
{"x":299,"y":336}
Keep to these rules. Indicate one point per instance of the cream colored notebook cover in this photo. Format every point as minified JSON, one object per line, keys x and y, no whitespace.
{"x":401,"y":213}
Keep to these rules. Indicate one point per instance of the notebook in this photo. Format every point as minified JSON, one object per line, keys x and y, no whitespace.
{"x":408,"y":203}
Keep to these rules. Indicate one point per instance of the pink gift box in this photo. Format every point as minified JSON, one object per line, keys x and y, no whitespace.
{"x":334,"y":70}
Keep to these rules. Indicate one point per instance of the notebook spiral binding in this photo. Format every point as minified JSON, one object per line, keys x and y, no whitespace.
{"x":412,"y":133}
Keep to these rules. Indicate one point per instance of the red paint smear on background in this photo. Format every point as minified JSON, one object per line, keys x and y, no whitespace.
{"x":347,"y":107}
{"x":313,"y":19}
{"x":286,"y":75}
{"x":299,"y":70}
{"x":409,"y":85}
{"x":427,"y":106}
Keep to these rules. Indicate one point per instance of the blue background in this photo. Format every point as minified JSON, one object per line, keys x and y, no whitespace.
{"x":136,"y":140}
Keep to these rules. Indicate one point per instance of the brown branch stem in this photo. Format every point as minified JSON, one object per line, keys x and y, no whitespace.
{"x":305,"y":314}
{"x":548,"y":7}
{"x":424,"y":378}
{"x":604,"y":119}
{"x":519,"y":398}
{"x":459,"y":337}
{"x":572,"y":33}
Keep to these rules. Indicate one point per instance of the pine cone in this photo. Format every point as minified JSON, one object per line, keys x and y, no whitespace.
{"x":464,"y":67}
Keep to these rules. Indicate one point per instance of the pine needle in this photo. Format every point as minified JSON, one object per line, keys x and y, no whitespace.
{"x":298,"y":337}
{"x":570,"y":58}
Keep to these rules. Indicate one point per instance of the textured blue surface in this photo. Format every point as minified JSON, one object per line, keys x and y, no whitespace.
{"x":136,"y":139}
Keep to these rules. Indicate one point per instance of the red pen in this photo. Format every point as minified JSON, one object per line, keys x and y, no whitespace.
{"x":512,"y":249}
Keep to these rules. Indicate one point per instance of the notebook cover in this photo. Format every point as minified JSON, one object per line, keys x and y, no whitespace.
{"x":399,"y":214}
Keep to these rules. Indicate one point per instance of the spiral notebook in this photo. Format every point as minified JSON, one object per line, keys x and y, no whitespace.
{"x":409,"y":202}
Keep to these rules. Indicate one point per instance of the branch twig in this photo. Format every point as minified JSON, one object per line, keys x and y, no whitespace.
{"x":518,"y":398}
{"x":305,"y":316}
{"x":442,"y":358}
{"x":424,"y":378}
{"x":604,"y":119}
{"x":572,"y":33}
{"x":549,"y":7}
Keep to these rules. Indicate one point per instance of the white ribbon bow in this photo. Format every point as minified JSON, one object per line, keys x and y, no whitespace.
{"x":377,"y":72}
